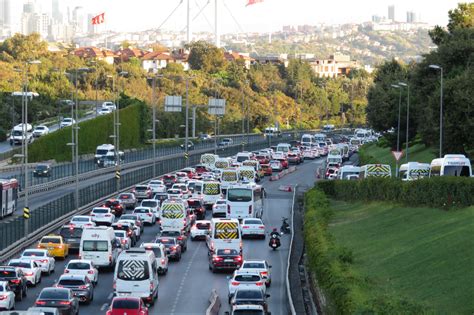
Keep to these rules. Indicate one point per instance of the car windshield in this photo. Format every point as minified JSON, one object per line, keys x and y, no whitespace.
{"x":227,"y":252}
{"x":53,"y":240}
{"x":249,"y":294}
{"x":79,"y":265}
{"x":156,"y":183}
{"x":133,"y":270}
{"x":54,"y":295}
{"x":151,"y":204}
{"x":33,"y":254}
{"x":166,"y":241}
{"x":95,"y":246}
{"x":20,"y":264}
{"x":41,"y":167}
{"x":71,"y":282}
{"x":67,"y":120}
{"x":71,"y":232}
{"x":127,"y":304}
{"x":255,"y":221}
{"x":239,"y":195}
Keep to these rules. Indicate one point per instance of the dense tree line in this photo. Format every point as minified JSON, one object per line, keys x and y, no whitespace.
{"x":455,"y":54}
{"x":266,"y":94}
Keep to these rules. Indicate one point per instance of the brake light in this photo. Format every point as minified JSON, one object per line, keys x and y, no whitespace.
{"x":108,"y":215}
{"x":162,"y":261}
{"x":238,"y":258}
{"x":216,"y":258}
{"x":83,"y":287}
{"x":114,"y":285}
{"x":180,"y":238}
{"x":245,"y":227}
{"x":235,"y":283}
{"x":149,"y":214}
{"x":152,"y":287}
{"x":91,"y":272}
{"x":264,"y":274}
{"x":173,"y":247}
{"x":64,"y":302}
{"x":28,"y":274}
{"x":261,"y":227}
{"x":124,"y":241}
{"x":129,"y":233}
{"x":60,"y":246}
{"x":15,"y":281}
{"x":40,"y":302}
{"x":259,"y":283}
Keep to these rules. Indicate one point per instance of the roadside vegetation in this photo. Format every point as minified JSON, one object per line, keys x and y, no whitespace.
{"x":383,"y":258}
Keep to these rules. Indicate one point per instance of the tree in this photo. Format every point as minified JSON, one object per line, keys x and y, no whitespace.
{"x":23,"y":48}
{"x":206,"y":57}
{"x":459,"y":18}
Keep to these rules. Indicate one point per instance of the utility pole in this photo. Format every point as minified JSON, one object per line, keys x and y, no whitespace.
{"x":188,"y":23}
{"x":216,"y":26}
{"x":153,"y":104}
{"x":194,"y":121}
{"x":186,"y":139}
{"x":398,"y":124}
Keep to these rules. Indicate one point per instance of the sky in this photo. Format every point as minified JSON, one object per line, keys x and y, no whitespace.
{"x":271,"y":15}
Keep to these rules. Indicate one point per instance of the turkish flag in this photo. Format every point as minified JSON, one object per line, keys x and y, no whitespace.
{"x":99,"y":19}
{"x":250,"y":2}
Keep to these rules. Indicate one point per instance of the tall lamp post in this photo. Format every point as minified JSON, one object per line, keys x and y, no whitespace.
{"x":153,"y":104}
{"x":398,"y":125}
{"x":402,"y":84}
{"x":436,"y":67}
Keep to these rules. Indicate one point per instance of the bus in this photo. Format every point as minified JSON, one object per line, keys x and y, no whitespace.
{"x":451,"y":165}
{"x":245,"y":201}
{"x":211,"y":192}
{"x":413,"y":171}
{"x":375,"y":170}
{"x":225,"y":234}
{"x":8,"y":196}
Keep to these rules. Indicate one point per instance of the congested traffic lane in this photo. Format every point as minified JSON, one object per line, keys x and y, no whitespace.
{"x":187,"y":286}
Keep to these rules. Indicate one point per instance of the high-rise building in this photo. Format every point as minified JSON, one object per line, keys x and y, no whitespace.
{"x":5,"y":13}
{"x":79,"y":20}
{"x":391,"y":12}
{"x":29,"y":7}
{"x":57,"y":12}
{"x":411,"y":17}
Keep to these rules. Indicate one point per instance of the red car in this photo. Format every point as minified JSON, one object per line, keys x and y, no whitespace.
{"x":190,"y":171}
{"x":267,"y":170}
{"x":115,"y":205}
{"x":263,"y":159}
{"x":128,"y":306}
{"x":284,"y":162}
{"x":202,"y":169}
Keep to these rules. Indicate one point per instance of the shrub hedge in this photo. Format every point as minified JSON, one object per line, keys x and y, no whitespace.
{"x":332,"y":265}
{"x":93,"y":133}
{"x":438,"y":192}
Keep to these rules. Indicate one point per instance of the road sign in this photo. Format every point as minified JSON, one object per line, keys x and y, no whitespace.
{"x":397,"y":155}
{"x":173,"y":103}
{"x":26,"y":212}
{"x":117,"y":174}
{"x":216,"y":106}
{"x":186,"y":156}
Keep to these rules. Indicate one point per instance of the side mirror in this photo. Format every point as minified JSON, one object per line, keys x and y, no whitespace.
{"x":227,"y":313}
{"x":267,"y":295}
{"x":270,"y":266}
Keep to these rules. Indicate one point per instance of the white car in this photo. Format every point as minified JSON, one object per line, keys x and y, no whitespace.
{"x":219,"y":209}
{"x":157,"y":186}
{"x":175,"y":193}
{"x":244,"y":280}
{"x":82,"y":221}
{"x":67,"y":122}
{"x":252,"y":227}
{"x":123,"y":238}
{"x":260,"y":266}
{"x":30,"y":269}
{"x":40,"y":131}
{"x":184,"y":189}
{"x":136,"y":228}
{"x":109,"y":105}
{"x":102,"y":215}
{"x":82,"y":267}
{"x":200,"y":229}
{"x":104,"y":111}
{"x":160,"y":254}
{"x":7,"y":296}
{"x":40,"y":256}
{"x":146,"y":214}
{"x":182,"y":177}
{"x":153,"y":204}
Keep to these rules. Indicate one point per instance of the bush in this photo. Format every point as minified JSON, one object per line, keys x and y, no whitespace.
{"x":438,"y":192}
{"x":93,"y":133}
{"x":3,"y":135}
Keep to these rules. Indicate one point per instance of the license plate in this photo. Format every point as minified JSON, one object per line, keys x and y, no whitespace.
{"x":50,"y":248}
{"x":228,"y":260}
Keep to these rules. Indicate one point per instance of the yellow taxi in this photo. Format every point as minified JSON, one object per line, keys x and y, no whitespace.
{"x":55,"y":245}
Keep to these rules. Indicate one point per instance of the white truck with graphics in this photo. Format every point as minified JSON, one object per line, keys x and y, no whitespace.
{"x":211,"y":192}
{"x":375,"y":170}
{"x":413,"y":171}
{"x":174,"y":215}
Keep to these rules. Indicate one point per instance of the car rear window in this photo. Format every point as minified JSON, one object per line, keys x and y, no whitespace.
{"x":125,"y":196}
{"x":227,"y":252}
{"x":248,"y":312}
{"x":194,"y":203}
{"x":75,"y":232}
{"x":125,"y":304}
{"x":166,"y":240}
{"x":95,"y":246}
{"x":247,"y":278}
{"x":81,"y":219}
{"x":157,"y":251}
{"x":253,"y":265}
{"x":252,"y":222}
{"x":100,"y":211}
{"x":78,"y":266}
{"x":32,"y":254}
{"x":53,"y":240}
{"x":54,"y":295}
{"x":7,"y":274}
{"x":133,"y":270}
{"x":249,"y":294}
{"x":203,"y":226}
{"x":71,"y":282}
{"x":141,"y":188}
{"x":141,"y":210}
{"x":150,"y":204}
{"x":20,"y":264}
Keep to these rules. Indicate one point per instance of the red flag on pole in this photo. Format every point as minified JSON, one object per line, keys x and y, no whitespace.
{"x":250,"y":2}
{"x":98,"y":19}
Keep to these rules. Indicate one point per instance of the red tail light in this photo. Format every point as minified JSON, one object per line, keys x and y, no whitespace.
{"x":162,"y":261}
{"x":264,"y":274}
{"x":15,"y":281}
{"x":40,"y":302}
{"x":28,"y":274}
{"x":151,"y":286}
{"x":259,"y":284}
{"x":238,"y":258}
{"x":91,"y":272}
{"x":235,"y":283}
{"x":245,"y":227}
{"x":180,"y":238}
{"x":108,"y":215}
{"x":114,"y":285}
{"x":149,"y":214}
{"x":261,"y":227}
{"x":217,"y":258}
{"x":64,"y":303}
{"x":83,"y":287}
{"x":173,"y":247}
{"x":110,"y":258}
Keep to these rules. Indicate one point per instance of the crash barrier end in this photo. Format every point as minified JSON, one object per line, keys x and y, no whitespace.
{"x":214,"y":304}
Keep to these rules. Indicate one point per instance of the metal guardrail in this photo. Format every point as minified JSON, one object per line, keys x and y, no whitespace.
{"x":288,"y":290}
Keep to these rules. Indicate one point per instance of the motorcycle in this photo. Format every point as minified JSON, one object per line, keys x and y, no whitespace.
{"x":274,"y":241}
{"x":285,"y":227}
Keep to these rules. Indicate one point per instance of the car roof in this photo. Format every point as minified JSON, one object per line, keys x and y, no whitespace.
{"x":254,"y":261}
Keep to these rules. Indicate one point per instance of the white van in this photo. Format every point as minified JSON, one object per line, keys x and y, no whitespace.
{"x":211,"y":192}
{"x":283,"y":147}
{"x":307,"y":140}
{"x":222,"y":163}
{"x":320,"y":137}
{"x":136,"y":274}
{"x":348,"y":172}
{"x":451,"y":165}
{"x":375,"y":170}
{"x":413,"y":171}
{"x":229,"y":177}
{"x":334,"y":156}
{"x":225,"y":234}
{"x":174,"y":215}
{"x":99,"y":245}
{"x":209,"y":159}
{"x":243,"y":156}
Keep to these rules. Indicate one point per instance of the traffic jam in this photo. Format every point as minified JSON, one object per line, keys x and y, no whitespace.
{"x":218,"y":202}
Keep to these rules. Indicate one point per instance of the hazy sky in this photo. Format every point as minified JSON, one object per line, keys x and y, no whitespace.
{"x":134,"y":15}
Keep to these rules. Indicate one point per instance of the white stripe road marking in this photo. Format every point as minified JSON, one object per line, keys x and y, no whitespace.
{"x":104,"y":307}
{"x":111,"y":295}
{"x":185,"y":275}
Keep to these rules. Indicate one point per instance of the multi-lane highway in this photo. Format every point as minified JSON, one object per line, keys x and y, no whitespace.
{"x":188,"y":284}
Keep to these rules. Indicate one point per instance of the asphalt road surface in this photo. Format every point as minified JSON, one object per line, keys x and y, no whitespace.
{"x":186,"y":288}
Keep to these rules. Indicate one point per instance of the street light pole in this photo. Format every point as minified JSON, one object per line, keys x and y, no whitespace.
{"x":187,"y":122}
{"x":408,"y":117}
{"x":398,"y":125}
{"x":76,"y":143}
{"x":153,"y":104}
{"x":436,"y":67}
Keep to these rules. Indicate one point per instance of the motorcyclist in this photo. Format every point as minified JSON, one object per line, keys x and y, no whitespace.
{"x":274,"y":233}
{"x":274,"y":239}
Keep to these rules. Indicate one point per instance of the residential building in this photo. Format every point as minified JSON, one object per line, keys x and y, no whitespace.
{"x":5,"y":13}
{"x":127,"y":53}
{"x":411,"y":17}
{"x":391,"y":12}
{"x":95,"y":53}
{"x":234,"y":56}
{"x":336,"y":65}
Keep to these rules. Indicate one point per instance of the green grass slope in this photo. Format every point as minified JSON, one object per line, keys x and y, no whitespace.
{"x":423,"y":254}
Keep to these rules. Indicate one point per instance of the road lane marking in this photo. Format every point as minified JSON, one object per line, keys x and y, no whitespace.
{"x":111,"y":295}
{"x":104,"y":307}
{"x":183,"y":280}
